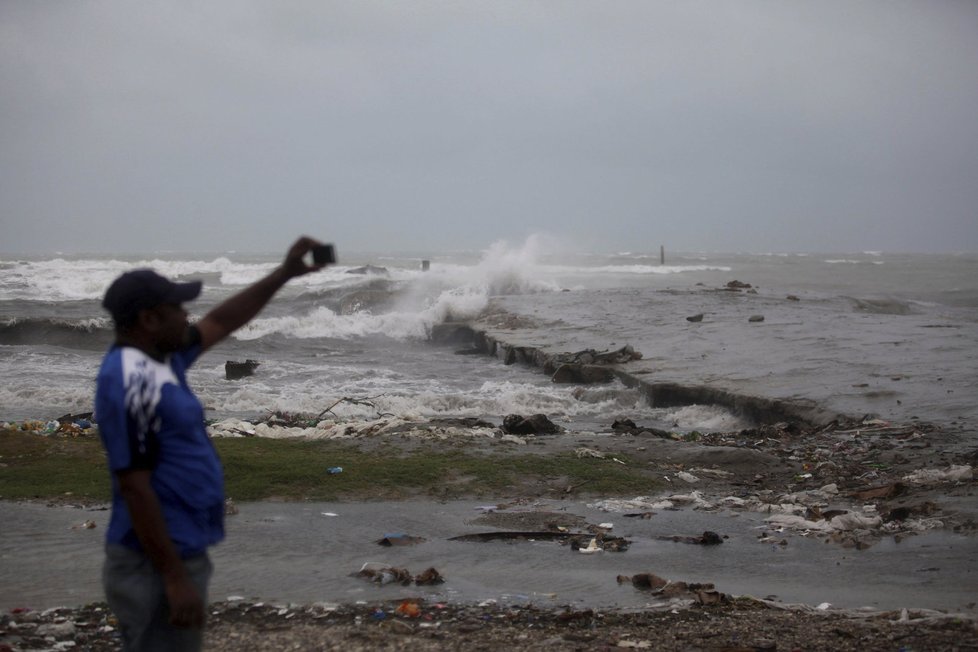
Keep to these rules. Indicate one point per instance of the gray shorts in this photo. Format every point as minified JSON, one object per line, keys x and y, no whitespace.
{"x":134,"y":591}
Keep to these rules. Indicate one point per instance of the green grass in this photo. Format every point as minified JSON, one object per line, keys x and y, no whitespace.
{"x":37,"y":466}
{"x":258,"y":469}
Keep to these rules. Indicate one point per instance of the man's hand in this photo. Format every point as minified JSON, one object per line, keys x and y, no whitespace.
{"x":186,"y":606}
{"x":295,"y":264}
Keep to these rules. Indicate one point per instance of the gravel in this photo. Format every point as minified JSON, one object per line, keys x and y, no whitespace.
{"x":733,"y":625}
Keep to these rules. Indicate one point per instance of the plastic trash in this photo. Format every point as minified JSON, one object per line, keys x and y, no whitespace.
{"x":592,"y":547}
{"x":333,"y":470}
{"x":408,"y":609}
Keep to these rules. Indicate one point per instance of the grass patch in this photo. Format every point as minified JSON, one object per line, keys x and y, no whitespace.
{"x":295,"y":470}
{"x":260,"y":469}
{"x":36,"y":466}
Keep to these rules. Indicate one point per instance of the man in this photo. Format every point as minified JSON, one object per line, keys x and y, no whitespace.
{"x":167,"y":482}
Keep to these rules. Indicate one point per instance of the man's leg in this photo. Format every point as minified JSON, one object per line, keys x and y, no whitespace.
{"x":134,"y":591}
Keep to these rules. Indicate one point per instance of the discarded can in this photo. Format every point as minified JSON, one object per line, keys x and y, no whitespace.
{"x":333,"y":470}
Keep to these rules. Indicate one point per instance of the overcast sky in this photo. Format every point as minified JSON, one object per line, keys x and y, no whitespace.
{"x":423,"y":126}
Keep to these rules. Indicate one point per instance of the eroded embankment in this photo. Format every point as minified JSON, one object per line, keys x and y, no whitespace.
{"x":592,"y":367}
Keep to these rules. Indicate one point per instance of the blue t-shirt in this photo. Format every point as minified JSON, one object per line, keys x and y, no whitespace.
{"x":149,"y":418}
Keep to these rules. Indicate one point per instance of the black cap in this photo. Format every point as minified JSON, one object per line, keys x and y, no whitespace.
{"x":144,"y":288}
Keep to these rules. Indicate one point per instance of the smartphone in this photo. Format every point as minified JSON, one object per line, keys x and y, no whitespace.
{"x":323,"y":254}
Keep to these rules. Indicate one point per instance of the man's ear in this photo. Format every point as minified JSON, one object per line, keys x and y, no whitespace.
{"x":148,"y":320}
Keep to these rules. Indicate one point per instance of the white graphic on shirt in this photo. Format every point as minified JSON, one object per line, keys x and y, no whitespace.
{"x":144,"y":379}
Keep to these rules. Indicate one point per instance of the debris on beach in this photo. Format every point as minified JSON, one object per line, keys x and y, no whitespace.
{"x":311,"y":428}
{"x":380,"y":574}
{"x":429,"y":577}
{"x":69,"y":425}
{"x":667,"y":624}
{"x":954,"y":473}
{"x":688,"y":592}
{"x":585,"y":452}
{"x":599,"y":543}
{"x":408,"y":609}
{"x":588,"y":452}
{"x":708,"y":538}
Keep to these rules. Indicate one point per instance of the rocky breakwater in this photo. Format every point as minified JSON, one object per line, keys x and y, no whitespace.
{"x":591,"y":366}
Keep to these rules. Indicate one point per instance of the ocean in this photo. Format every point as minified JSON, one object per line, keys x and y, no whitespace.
{"x":867,"y":333}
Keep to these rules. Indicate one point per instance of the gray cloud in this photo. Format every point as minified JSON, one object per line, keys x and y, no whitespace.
{"x":803,"y":126}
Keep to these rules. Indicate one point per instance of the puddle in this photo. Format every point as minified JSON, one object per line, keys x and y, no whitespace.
{"x":296,"y":552}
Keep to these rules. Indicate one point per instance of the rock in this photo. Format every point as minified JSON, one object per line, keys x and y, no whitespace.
{"x":591,"y":356}
{"x":624,"y":424}
{"x":234,"y":370}
{"x":737,"y":286}
{"x":711,"y":539}
{"x":710,"y":597}
{"x":708,"y":538}
{"x":645,"y":581}
{"x":695,"y":318}
{"x":536,"y":424}
{"x":580,"y":373}
{"x":792,"y":297}
{"x":400,"y":540}
{"x":453,"y":333}
{"x":756,"y":318}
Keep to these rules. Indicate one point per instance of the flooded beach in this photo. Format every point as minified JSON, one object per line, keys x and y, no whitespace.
{"x":309,"y":553}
